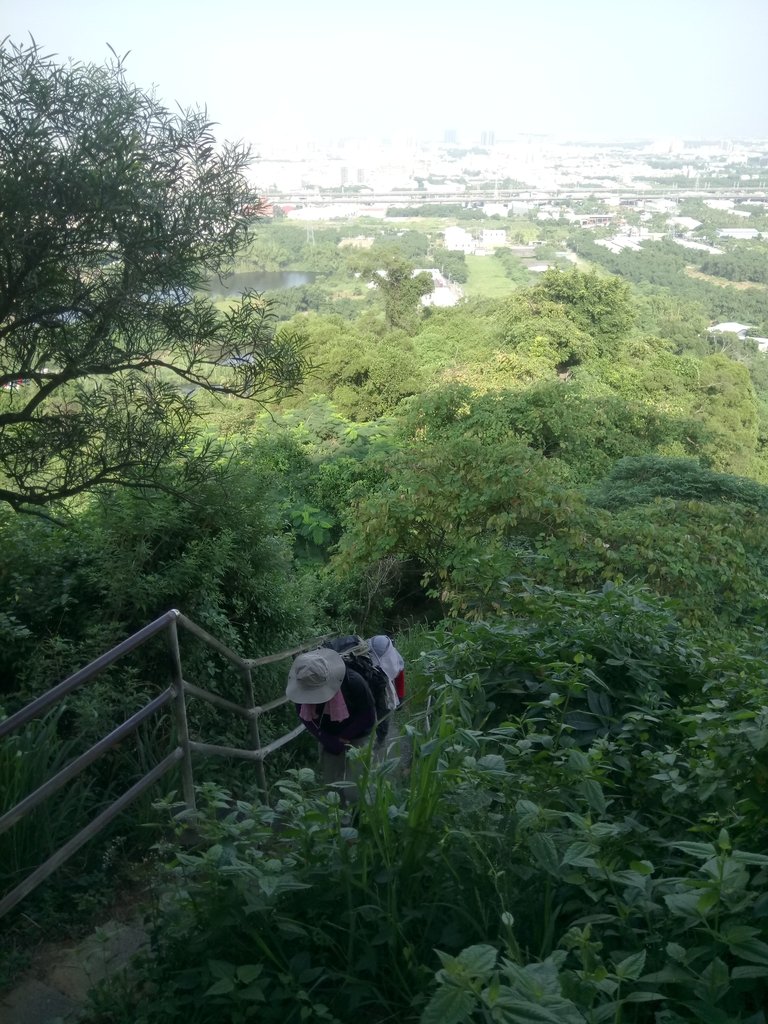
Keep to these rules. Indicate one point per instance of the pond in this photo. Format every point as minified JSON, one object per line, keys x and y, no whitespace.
{"x":260,"y":281}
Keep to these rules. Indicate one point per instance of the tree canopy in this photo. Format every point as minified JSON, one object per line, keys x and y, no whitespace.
{"x":115,"y":214}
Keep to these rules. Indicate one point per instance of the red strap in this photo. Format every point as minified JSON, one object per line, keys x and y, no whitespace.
{"x":400,"y":683}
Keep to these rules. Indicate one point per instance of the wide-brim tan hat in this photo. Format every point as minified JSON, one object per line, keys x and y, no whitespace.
{"x":315,"y":677}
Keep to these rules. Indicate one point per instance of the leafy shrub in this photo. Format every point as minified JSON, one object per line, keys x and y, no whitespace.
{"x":639,"y":481}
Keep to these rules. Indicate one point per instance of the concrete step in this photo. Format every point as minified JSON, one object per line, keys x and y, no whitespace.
{"x":34,"y":1002}
{"x":59,"y":987}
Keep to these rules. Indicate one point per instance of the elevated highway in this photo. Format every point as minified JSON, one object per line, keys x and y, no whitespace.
{"x":476,"y":197}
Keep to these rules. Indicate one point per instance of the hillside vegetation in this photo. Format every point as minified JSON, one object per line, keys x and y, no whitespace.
{"x":556,"y":499}
{"x":565,"y":508}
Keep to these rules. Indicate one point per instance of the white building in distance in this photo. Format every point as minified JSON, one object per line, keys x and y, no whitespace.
{"x":740,"y":330}
{"x":686,"y":223}
{"x":444,"y":293}
{"x":459,"y":240}
{"x":742,"y":233}
{"x":493,"y":238}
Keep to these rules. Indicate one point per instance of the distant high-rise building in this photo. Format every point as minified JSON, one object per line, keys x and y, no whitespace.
{"x":344,"y":176}
{"x":360,"y":175}
{"x":449,"y":135}
{"x":487,"y":138}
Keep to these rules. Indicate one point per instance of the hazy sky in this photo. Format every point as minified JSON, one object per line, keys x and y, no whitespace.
{"x":333,"y":68}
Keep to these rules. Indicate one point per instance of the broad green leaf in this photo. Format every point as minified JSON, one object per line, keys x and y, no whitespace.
{"x":630,"y":878}
{"x":269,"y":884}
{"x":702,"y":850}
{"x":490,"y":994}
{"x":606,"y":1012}
{"x":478,"y":960}
{"x":671,"y":974}
{"x":744,"y":857}
{"x":510,"y":1009}
{"x":749,"y":972}
{"x":683,"y":904}
{"x":493,"y":763}
{"x":714,"y":979}
{"x":707,"y":900}
{"x":594,"y":794}
{"x":642,"y":867}
{"x":544,"y":977}
{"x":752,"y":949}
{"x":255,"y":993}
{"x":578,"y":761}
{"x":221,"y":987}
{"x":221,"y":968}
{"x":676,"y":952}
{"x":291,"y":928}
{"x":544,"y":851}
{"x":739,"y":933}
{"x":643,"y":997}
{"x":449,"y":1005}
{"x":249,"y":972}
{"x":632,"y":967}
{"x":580,"y":855}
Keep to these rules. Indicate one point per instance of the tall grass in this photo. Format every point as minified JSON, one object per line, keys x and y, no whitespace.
{"x":27,"y":760}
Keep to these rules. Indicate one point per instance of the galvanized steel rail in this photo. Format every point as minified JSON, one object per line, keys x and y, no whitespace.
{"x":177,"y":693}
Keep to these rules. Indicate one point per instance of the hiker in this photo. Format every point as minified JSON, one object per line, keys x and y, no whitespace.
{"x":335,"y":704}
{"x":386,"y":656}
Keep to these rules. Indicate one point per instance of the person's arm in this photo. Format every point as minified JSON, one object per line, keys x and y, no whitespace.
{"x":333,"y":743}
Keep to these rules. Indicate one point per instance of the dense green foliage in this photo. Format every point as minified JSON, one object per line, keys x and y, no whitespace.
{"x":663,"y":265}
{"x":745,"y":263}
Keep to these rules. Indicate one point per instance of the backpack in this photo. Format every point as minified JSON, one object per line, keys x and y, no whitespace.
{"x":354,"y":651}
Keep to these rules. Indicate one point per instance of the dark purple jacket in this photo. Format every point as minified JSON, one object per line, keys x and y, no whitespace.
{"x":362,"y":716}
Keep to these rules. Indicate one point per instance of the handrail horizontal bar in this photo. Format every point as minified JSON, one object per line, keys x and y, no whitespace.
{"x":212,"y":748}
{"x":276,"y":703}
{"x":98,"y":665}
{"x":91,"y":829}
{"x":214,"y":698}
{"x":269,"y":659}
{"x":75,"y":767}
{"x":248,"y":755}
{"x":203,"y":634}
{"x":281,"y":741}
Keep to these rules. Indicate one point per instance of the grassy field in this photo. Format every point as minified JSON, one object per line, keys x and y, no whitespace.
{"x":722,"y":281}
{"x":487,"y":279}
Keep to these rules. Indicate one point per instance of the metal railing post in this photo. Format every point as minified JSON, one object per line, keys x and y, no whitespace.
{"x":255,"y":734}
{"x":182,"y":728}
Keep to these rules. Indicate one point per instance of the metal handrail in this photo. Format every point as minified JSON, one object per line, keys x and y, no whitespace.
{"x":33,"y":709}
{"x":80,"y":763}
{"x":178,"y":692}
